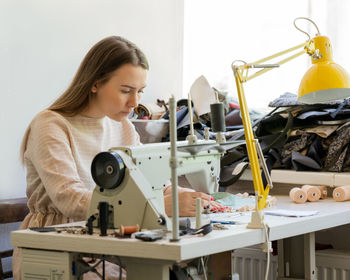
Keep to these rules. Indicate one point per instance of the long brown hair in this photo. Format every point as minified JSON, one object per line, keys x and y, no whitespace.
{"x":102,"y":59}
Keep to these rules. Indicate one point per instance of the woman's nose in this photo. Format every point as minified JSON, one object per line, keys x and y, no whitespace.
{"x":133,"y":100}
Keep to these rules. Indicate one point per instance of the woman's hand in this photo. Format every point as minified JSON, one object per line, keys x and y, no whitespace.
{"x":187,"y":202}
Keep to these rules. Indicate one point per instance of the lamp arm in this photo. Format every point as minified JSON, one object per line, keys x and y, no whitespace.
{"x":302,"y":45}
{"x":241,"y":76}
{"x":260,"y":192}
{"x":308,"y":47}
{"x":278,"y":63}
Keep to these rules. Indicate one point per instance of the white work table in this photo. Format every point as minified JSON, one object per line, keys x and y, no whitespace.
{"x":153,"y":258}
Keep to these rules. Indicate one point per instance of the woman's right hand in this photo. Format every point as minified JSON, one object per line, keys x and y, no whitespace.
{"x":187,"y":202}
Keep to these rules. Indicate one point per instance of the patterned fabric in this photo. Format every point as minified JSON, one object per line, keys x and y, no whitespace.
{"x":322,"y":130}
{"x":58,"y":155}
{"x":285,"y":100}
{"x":338,"y":149}
{"x":330,"y":154}
{"x":291,"y":99}
{"x":296,"y":145}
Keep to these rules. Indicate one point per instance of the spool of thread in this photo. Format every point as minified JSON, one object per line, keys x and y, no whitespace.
{"x":313,"y":193}
{"x":323,"y":190}
{"x":298,"y":195}
{"x":128,"y":229}
{"x":217,"y":116}
{"x":341,"y":193}
{"x":103,"y":207}
{"x":198,"y":212}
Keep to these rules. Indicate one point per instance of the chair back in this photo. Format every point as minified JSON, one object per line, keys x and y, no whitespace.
{"x":11,"y":211}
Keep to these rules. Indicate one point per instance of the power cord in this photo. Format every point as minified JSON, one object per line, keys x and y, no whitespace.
{"x":120,"y":268}
{"x":204,"y":270}
{"x":307,"y":34}
{"x":267,"y":247}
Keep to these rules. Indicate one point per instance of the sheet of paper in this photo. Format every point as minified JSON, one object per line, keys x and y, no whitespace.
{"x":290,"y":213}
{"x":202,"y":96}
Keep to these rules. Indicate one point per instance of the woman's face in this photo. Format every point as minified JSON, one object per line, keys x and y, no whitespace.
{"x":120,"y":95}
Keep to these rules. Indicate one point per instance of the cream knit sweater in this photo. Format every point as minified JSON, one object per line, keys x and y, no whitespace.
{"x":58,"y":155}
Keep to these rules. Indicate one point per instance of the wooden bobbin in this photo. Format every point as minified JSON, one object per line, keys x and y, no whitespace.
{"x":323,"y":190}
{"x":298,"y":195}
{"x":128,"y":229}
{"x":341,"y":193}
{"x":313,"y":193}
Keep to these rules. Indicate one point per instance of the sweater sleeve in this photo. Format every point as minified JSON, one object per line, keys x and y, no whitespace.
{"x":49,"y":149}
{"x":130,"y":135}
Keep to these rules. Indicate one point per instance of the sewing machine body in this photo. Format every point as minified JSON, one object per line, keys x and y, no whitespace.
{"x":139,"y":198}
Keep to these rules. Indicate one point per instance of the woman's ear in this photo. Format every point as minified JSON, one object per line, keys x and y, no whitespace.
{"x":94,"y":88}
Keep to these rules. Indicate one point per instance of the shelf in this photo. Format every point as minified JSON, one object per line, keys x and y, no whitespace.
{"x":332,"y":179}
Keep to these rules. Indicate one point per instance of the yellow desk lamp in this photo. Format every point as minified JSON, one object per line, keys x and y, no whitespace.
{"x":324,"y":81}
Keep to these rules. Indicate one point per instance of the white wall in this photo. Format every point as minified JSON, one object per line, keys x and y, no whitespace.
{"x":43,"y":42}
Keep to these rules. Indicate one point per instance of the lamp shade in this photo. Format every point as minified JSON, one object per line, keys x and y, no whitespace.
{"x":325,"y":80}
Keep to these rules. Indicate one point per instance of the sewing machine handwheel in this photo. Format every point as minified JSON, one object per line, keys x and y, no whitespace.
{"x":108,"y":170}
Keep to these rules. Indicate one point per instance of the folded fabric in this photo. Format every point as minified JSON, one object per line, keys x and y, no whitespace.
{"x":151,"y":110}
{"x":290,"y":99}
{"x":338,"y":149}
{"x":285,"y":100}
{"x":301,"y":162}
{"x":323,"y":130}
{"x":233,"y":201}
{"x":233,"y":118}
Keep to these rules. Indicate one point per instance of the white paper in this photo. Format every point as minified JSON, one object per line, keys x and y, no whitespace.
{"x":290,"y":213}
{"x":202,"y":96}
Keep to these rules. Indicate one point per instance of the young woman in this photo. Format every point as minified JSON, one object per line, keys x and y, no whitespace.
{"x":89,"y":117}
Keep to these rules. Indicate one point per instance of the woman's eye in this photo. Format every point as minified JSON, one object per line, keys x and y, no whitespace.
{"x":126,"y":91}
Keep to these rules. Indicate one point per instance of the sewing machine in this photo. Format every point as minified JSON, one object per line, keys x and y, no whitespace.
{"x":132,"y":180}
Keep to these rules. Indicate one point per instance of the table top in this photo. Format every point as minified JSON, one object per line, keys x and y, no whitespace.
{"x":330,"y":214}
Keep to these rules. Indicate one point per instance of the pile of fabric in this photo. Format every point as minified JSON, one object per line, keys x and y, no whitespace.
{"x":299,"y":137}
{"x":159,"y":111}
{"x":311,"y":137}
{"x":292,"y":136}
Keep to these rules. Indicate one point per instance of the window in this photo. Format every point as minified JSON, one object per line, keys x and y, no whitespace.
{"x":218,"y":32}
